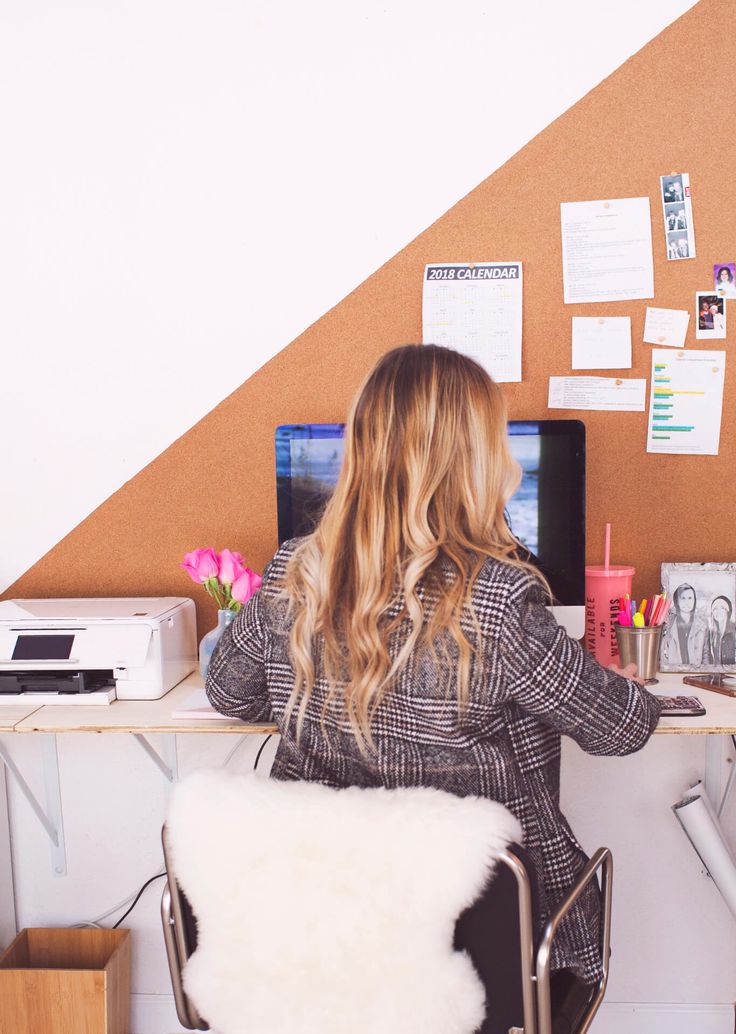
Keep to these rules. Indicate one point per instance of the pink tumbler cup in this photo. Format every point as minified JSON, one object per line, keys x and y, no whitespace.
{"x":603,"y":588}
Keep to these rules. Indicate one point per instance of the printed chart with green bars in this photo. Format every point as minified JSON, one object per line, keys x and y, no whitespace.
{"x":685,"y":402}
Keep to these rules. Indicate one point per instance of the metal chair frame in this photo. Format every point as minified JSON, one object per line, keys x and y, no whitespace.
{"x":535,"y":964}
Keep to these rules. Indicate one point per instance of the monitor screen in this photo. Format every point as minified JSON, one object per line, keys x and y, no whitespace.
{"x":546,"y":514}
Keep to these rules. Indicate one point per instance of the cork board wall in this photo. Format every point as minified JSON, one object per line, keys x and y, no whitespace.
{"x":669,"y":108}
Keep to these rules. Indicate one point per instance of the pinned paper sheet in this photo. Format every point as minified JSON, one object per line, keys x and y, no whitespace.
{"x":603,"y":393}
{"x":666,"y":327}
{"x":607,"y":250}
{"x":476,"y":308}
{"x":685,"y":402}
{"x":601,"y":342}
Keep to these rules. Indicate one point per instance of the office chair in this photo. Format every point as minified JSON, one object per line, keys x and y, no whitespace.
{"x":535,"y":1009}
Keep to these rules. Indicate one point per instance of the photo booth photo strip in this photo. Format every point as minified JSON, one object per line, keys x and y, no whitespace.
{"x":677,"y":209}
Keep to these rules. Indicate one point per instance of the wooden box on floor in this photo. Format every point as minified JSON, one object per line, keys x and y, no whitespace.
{"x":66,"y":982}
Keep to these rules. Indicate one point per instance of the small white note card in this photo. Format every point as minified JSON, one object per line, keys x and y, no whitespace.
{"x":617,"y":394}
{"x":601,"y":342}
{"x":666,"y":327}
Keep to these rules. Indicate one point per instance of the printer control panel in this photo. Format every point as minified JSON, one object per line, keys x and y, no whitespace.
{"x":43,"y":647}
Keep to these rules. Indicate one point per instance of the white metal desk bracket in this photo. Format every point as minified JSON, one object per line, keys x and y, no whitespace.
{"x":51,"y":819}
{"x":167,"y":764}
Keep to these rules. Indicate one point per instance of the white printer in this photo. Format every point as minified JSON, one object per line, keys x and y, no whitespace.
{"x":138,"y":647}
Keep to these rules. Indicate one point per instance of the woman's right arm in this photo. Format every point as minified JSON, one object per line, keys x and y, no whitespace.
{"x":548,"y":675}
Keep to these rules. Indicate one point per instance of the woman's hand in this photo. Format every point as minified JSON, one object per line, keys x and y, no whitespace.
{"x":629,"y":672}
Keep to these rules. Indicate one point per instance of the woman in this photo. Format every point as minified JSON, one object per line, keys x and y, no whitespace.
{"x":725,"y":286}
{"x":720,"y":646}
{"x":683,"y":640}
{"x":405,"y":642}
{"x":719,"y":320}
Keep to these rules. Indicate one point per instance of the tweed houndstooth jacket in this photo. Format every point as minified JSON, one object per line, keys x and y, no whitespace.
{"x":530,"y":684}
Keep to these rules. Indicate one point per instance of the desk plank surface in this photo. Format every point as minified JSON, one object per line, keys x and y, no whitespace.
{"x":720,"y":710}
{"x":154,"y":716}
{"x":136,"y":716}
{"x":12,"y":714}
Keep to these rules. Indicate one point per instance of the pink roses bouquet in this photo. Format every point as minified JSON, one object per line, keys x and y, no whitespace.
{"x":224,"y":576}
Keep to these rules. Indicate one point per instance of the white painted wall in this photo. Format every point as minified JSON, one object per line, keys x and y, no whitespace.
{"x":161,"y":160}
{"x":7,"y":899}
{"x":164,"y":161}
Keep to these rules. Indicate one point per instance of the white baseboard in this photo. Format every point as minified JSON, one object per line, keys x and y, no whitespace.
{"x":153,"y":1014}
{"x":156,"y":1014}
{"x":663,"y":1018}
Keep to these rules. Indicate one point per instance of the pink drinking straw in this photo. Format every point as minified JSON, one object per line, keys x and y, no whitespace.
{"x":607,"y":548}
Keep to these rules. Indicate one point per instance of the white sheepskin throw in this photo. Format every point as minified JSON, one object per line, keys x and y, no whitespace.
{"x":323,"y":911}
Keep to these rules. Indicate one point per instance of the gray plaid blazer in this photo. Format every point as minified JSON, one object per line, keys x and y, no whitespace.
{"x":530,"y":683}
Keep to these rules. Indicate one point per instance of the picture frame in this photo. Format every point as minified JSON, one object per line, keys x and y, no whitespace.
{"x":700,"y":630}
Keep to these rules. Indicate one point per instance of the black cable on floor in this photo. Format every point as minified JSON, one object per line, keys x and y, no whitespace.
{"x":137,"y":899}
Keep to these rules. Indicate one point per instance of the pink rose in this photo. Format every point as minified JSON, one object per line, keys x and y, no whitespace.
{"x":245,"y":585}
{"x":230,"y":566}
{"x":201,"y":564}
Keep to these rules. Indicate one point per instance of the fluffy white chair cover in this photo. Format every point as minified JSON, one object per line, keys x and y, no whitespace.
{"x":323,"y":911}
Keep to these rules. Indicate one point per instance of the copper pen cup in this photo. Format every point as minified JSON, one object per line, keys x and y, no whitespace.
{"x":640,"y":646}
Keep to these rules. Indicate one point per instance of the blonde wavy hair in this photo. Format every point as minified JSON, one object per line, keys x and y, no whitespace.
{"x":420,"y":501}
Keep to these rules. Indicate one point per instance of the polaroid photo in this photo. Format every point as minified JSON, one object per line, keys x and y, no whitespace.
{"x":678,"y":246}
{"x":677,"y":211}
{"x":700,"y":631}
{"x":710,"y":316}
{"x":724,"y":279}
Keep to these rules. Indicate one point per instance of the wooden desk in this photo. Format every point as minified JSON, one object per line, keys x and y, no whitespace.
{"x":141,"y":718}
{"x":154,"y":716}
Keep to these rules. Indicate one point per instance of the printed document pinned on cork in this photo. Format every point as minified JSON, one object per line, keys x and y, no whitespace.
{"x":607,"y":250}
{"x":686,"y":401}
{"x":616,"y":394}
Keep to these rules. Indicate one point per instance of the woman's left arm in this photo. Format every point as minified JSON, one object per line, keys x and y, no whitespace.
{"x":550,"y":677}
{"x":236,"y":679}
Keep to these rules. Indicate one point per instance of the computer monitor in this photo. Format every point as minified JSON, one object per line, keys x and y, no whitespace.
{"x":546,"y":514}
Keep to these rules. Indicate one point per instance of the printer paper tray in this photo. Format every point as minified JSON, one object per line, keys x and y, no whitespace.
{"x":61,"y":683}
{"x":100,"y":696}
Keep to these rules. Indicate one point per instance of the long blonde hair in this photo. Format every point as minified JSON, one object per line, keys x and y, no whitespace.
{"x":424,"y":483}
